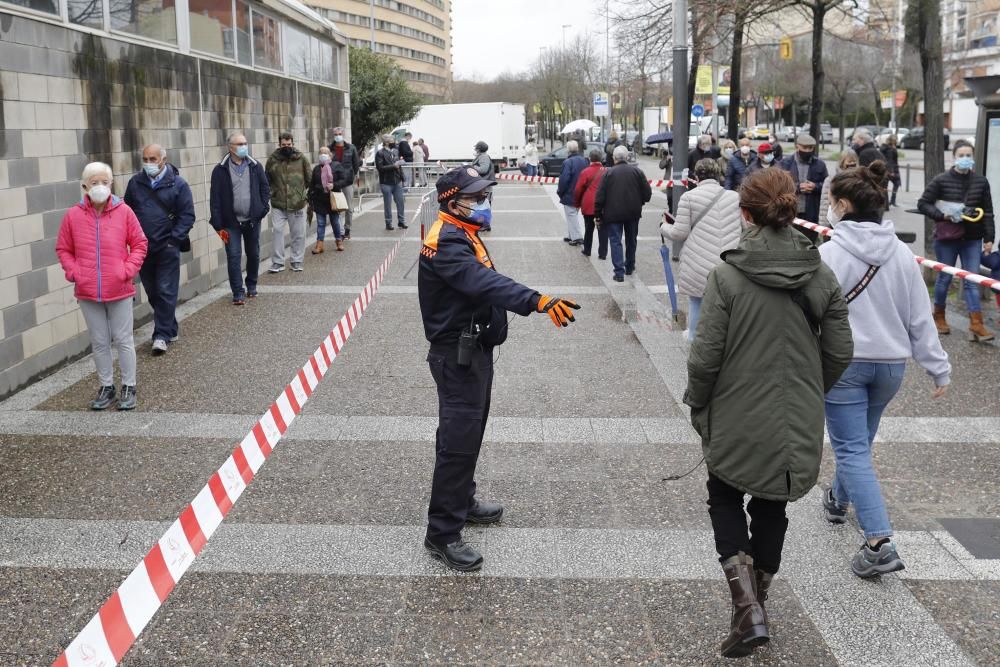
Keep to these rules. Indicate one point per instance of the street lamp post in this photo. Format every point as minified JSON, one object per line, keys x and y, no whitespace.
{"x":681,"y":112}
{"x":566,"y":25}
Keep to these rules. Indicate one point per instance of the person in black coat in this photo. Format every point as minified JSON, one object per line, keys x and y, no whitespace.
{"x":328,"y":176}
{"x":406,"y":153}
{"x":864,"y":145}
{"x":891,"y":156}
{"x":618,"y":204}
{"x":808,"y":172}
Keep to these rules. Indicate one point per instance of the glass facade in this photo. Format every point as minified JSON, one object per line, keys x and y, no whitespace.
{"x":47,"y":6}
{"x":153,"y":19}
{"x":266,"y":41}
{"x":211,"y":24}
{"x":86,"y":12}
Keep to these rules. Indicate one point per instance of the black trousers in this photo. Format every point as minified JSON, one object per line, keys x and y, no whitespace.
{"x":463,"y":408}
{"x":729,"y":522}
{"x":588,"y":237}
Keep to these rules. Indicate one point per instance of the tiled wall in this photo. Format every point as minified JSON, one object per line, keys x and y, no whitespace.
{"x":70,"y":98}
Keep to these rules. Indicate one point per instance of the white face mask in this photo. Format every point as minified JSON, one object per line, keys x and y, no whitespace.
{"x":832,"y":217}
{"x":745,"y":150}
{"x":99,"y":193}
{"x":728,"y":152}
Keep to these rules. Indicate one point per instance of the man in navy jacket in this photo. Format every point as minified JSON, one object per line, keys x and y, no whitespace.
{"x":572,"y":167}
{"x":239,"y":200}
{"x":808,"y":172}
{"x":162,"y":201}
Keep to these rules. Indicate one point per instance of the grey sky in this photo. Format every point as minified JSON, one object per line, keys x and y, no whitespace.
{"x":489,"y":38}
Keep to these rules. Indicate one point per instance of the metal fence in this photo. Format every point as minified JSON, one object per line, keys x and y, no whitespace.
{"x":418,"y":179}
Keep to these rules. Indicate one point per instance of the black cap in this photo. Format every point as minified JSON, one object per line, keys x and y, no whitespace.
{"x":461,"y":180}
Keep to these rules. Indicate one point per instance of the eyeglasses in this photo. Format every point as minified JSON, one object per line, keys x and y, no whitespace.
{"x":486,"y":195}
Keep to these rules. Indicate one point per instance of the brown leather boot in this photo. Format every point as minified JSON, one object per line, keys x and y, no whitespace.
{"x":763,"y":584}
{"x":340,"y":244}
{"x":318,"y":250}
{"x":977,"y":330}
{"x":748,"y":628}
{"x":940,"y":322}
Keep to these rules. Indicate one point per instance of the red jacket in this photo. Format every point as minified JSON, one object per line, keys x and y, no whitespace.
{"x":586,"y":187}
{"x":101,"y":255}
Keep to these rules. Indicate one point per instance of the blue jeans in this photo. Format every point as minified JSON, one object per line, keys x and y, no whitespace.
{"x":390,"y":193}
{"x":853,"y":409}
{"x":694,"y":312}
{"x":623,"y":263}
{"x":249,"y":234}
{"x":948,"y":252}
{"x":160,"y":275}
{"x":338,"y":232}
{"x":531,"y":170}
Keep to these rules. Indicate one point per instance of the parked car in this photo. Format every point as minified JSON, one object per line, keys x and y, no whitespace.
{"x":900,"y":132}
{"x":760,"y":132}
{"x":825,"y":132}
{"x":916,"y":137}
{"x":787,"y":133}
{"x":550,"y":163}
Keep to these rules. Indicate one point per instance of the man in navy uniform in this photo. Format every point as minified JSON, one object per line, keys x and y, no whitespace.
{"x":464,"y":303}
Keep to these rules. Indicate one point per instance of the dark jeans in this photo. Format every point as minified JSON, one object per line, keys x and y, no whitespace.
{"x":390,"y":193}
{"x":588,"y":237}
{"x":463,"y":408}
{"x":729,"y":522}
{"x":245,"y":237}
{"x":160,"y":275}
{"x":630,"y":232}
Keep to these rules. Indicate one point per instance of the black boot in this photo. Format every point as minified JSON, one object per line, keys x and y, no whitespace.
{"x":105,"y":397}
{"x":457,"y":555}
{"x":748,"y":628}
{"x":484,"y":512}
{"x":763,"y":585}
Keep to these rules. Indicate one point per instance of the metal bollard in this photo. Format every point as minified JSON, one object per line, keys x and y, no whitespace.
{"x":907,"y":177}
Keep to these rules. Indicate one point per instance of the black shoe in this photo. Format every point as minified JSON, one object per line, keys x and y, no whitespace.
{"x":105,"y":397}
{"x":567,"y":239}
{"x":576,"y":242}
{"x":585,"y":253}
{"x":629,"y":272}
{"x":347,"y":234}
{"x":389,"y":228}
{"x":126,"y":401}
{"x":602,"y":257}
{"x":457,"y":555}
{"x":402,"y":226}
{"x":619,"y":279}
{"x":481,"y":512}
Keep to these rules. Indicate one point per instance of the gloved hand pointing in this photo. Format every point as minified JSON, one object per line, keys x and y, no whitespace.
{"x":558,"y":309}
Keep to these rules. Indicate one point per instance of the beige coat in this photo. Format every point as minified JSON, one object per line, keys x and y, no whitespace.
{"x":719,"y":229}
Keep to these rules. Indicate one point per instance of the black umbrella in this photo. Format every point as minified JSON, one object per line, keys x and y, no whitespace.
{"x":660,"y":138}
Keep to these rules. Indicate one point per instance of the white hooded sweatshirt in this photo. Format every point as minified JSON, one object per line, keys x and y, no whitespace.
{"x":891,"y":319}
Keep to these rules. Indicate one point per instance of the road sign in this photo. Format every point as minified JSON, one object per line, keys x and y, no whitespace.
{"x":697,"y":111}
{"x":600,"y":104}
{"x":785,"y":48}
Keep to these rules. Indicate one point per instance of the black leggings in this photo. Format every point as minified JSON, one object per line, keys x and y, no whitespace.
{"x":729,"y":522}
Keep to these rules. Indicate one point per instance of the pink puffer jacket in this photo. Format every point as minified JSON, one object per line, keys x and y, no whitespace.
{"x":101,"y":255}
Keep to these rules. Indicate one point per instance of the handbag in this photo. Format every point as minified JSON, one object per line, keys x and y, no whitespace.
{"x":338,"y":202}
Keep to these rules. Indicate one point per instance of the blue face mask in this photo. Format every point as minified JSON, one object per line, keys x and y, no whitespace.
{"x":151,"y":169}
{"x":338,"y":139}
{"x":482,"y":214}
{"x":242,"y":151}
{"x":965,"y":163}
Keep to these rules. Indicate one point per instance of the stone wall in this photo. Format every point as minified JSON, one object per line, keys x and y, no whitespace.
{"x":69,"y":98}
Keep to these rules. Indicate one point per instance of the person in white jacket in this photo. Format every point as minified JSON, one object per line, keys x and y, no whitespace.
{"x":890,"y":315}
{"x":708,"y":221}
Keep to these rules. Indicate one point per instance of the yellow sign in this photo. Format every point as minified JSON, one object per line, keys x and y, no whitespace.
{"x":703,"y":81}
{"x":785,"y":48}
{"x":886,"y":98}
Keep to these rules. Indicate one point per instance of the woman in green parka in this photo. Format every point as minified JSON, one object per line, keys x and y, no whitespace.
{"x":772,"y":339}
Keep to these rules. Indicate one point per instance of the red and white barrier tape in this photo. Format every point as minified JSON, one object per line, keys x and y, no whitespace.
{"x":555,"y":179}
{"x":923,"y":261}
{"x":114,"y":628}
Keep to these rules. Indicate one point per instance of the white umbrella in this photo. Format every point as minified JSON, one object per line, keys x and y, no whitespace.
{"x":580,"y":124}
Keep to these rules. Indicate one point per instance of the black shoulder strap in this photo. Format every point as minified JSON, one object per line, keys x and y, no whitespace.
{"x":862,"y":284}
{"x":159,"y":202}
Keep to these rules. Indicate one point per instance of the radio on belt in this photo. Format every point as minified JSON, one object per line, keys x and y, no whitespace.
{"x":467,"y":344}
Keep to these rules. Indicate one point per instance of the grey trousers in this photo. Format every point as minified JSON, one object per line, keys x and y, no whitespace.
{"x":348,"y":215}
{"x":111,"y":322}
{"x":574,"y":224}
{"x":295,"y":221}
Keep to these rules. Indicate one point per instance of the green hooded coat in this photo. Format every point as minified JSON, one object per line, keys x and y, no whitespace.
{"x":288,"y":176}
{"x":759,"y":368}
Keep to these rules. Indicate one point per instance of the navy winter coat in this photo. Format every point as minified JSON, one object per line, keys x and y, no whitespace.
{"x":572,"y":167}
{"x":738,"y":169}
{"x":817,"y":174}
{"x":159,"y":227}
{"x":221,"y":197}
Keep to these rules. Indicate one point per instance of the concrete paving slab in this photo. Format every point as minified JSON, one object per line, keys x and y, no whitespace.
{"x":967,"y":611}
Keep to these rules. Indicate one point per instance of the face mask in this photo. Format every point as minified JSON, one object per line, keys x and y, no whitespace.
{"x":324,"y":158}
{"x":767,"y":158}
{"x":805,"y":156}
{"x":744,"y":150}
{"x":965,"y":163}
{"x":832,"y":217}
{"x":728,"y":152}
{"x":151,"y":169}
{"x":242,"y":151}
{"x":99,"y":193}
{"x":482,"y":213}
{"x":286,"y":150}
{"x":338,"y":139}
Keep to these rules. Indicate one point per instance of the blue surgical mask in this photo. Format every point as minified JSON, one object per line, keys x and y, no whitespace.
{"x":324,"y":158}
{"x":151,"y":169}
{"x":481,"y":213}
{"x":965,"y":163}
{"x":242,"y":151}
{"x":338,"y":138}
{"x":767,"y":158}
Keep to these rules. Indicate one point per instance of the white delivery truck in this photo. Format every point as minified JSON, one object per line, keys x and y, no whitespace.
{"x":451,"y":130}
{"x":654,"y":120}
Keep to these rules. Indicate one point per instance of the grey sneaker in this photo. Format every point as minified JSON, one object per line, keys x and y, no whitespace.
{"x":296,"y":266}
{"x":834,"y":512}
{"x":159,"y":347}
{"x":126,"y":400}
{"x":276,"y":268}
{"x":868,"y":563}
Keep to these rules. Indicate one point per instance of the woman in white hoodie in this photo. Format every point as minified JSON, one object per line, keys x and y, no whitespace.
{"x":891,"y":321}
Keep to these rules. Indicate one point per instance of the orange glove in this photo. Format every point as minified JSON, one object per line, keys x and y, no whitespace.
{"x":224,"y":235}
{"x":558,"y":309}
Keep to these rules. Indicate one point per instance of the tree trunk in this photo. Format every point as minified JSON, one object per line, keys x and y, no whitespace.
{"x":816,"y":105}
{"x":739,"y":21}
{"x":932,"y":66}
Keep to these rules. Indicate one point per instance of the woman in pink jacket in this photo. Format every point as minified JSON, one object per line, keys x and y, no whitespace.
{"x":101,"y":248}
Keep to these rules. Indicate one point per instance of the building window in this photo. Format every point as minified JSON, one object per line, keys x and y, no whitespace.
{"x":324,"y":62}
{"x":154,"y":19}
{"x":244,"y":52}
{"x":47,"y":6}
{"x":212,"y":27}
{"x":266,"y":41}
{"x":297,"y":51}
{"x":86,"y":12}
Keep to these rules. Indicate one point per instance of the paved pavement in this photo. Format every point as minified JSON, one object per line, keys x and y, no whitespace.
{"x":598,"y":559}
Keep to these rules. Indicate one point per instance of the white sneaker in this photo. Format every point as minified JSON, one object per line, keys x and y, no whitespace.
{"x":159,"y":347}
{"x":296,"y":266}
{"x":276,"y":268}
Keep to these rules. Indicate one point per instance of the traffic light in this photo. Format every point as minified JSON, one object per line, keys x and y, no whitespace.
{"x":785,"y":48}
